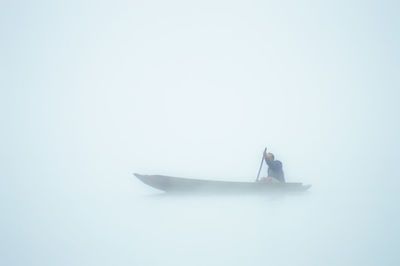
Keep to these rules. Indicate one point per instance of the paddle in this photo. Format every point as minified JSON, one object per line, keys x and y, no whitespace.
{"x":262,"y":161}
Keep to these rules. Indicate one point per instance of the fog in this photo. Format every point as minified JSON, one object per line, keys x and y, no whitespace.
{"x":93,"y":91}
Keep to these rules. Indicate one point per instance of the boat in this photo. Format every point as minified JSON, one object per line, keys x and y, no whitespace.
{"x":187,"y":185}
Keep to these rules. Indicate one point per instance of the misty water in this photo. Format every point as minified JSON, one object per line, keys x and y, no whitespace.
{"x":117,"y":220}
{"x":92,"y":92}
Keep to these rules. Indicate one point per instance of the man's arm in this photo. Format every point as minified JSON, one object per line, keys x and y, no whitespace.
{"x":268,"y":161}
{"x":275,"y":165}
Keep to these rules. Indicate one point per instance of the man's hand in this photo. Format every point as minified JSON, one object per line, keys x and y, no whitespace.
{"x":265,"y":153}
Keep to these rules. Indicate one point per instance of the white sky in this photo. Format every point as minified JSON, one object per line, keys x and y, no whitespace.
{"x":91,"y":91}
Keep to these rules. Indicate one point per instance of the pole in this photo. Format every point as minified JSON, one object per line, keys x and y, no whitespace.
{"x":262,"y":161}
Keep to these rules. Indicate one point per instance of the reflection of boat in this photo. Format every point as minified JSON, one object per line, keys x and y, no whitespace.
{"x":177,"y":184}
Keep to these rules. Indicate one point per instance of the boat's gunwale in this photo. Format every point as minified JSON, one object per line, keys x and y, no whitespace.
{"x":163,"y":183}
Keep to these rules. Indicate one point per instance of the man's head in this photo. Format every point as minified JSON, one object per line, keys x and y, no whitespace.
{"x":270,"y":156}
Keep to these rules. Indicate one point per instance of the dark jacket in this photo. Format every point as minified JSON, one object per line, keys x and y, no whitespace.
{"x":275,"y":170}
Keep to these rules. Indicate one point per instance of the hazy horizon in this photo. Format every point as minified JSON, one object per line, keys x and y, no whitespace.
{"x":92,"y":92}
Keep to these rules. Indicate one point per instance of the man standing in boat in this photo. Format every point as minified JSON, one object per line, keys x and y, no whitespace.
{"x":275,"y":172}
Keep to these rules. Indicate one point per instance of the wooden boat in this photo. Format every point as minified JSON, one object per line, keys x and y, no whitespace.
{"x":186,"y":185}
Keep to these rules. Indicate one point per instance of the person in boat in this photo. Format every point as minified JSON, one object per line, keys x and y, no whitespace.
{"x":275,"y":172}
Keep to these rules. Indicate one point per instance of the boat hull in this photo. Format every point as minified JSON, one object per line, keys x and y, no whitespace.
{"x":186,"y":185}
